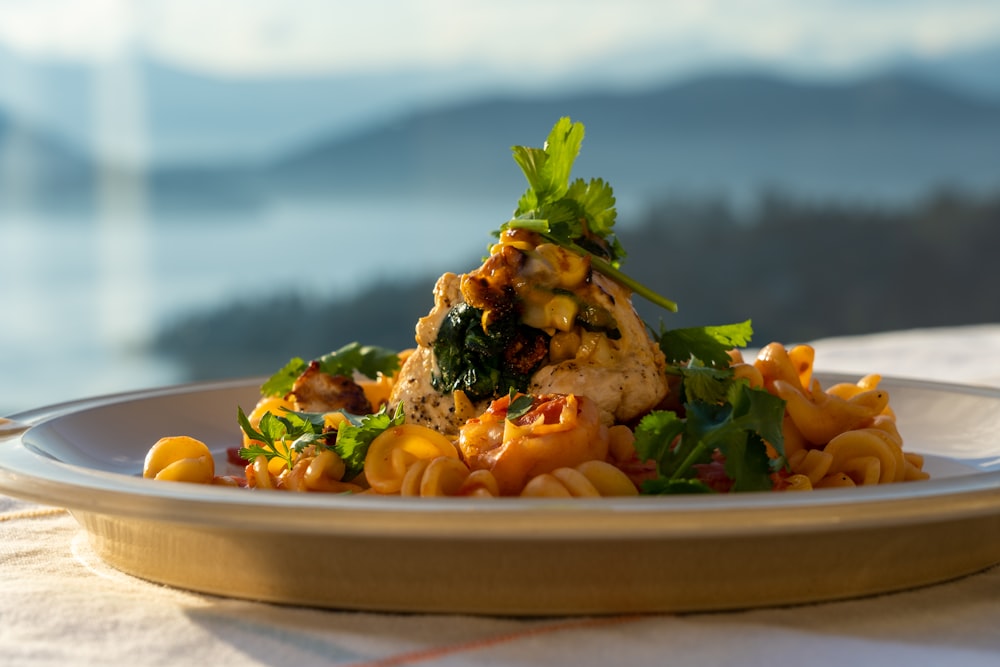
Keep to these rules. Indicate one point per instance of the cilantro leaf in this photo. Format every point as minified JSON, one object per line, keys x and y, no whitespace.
{"x":597,"y":200}
{"x":356,"y":434}
{"x":710,"y":344}
{"x":747,"y":464}
{"x":369,"y":360}
{"x":269,"y":435}
{"x":657,"y":439}
{"x":547,"y":169}
{"x":760,"y":412}
{"x":278,"y":436}
{"x":705,"y":384}
{"x":291,"y":432}
{"x":731,"y":419}
{"x":578,"y":216}
{"x":281,"y":382}
{"x":519,"y":406}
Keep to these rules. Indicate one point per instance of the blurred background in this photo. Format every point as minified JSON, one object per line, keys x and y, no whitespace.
{"x":194,"y":190}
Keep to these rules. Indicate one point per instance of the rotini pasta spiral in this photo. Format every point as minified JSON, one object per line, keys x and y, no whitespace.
{"x":447,"y":476}
{"x":842,"y":436}
{"x":556,"y":445}
{"x":179,"y":458}
{"x":590,"y":479}
{"x":394,"y":451}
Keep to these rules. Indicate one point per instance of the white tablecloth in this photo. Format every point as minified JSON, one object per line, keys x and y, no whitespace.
{"x":60,"y":605}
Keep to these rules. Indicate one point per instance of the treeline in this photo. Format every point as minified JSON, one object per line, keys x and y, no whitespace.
{"x":804,"y":270}
{"x":800,"y":270}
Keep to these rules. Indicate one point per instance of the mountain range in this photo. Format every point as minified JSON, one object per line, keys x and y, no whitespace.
{"x":886,"y":136}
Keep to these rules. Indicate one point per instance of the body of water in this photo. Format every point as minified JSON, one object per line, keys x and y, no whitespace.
{"x":81,"y":297}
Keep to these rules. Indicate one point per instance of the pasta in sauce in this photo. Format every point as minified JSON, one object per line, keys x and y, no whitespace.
{"x":842,"y":435}
{"x":534,"y":376}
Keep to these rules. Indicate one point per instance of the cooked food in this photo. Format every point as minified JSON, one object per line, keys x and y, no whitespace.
{"x":536,"y":318}
{"x":533,"y":375}
{"x":317,"y":391}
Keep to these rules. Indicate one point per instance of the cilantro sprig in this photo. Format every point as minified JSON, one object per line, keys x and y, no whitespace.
{"x":356,"y":434}
{"x":709,"y":344}
{"x":286,"y":435}
{"x":737,"y":427}
{"x":369,"y":360}
{"x":721,"y":416}
{"x":519,"y":405}
{"x":281,"y":436}
{"x":577,"y":215}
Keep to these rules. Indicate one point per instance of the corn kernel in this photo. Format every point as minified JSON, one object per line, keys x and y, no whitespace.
{"x":534,"y":315}
{"x":561,"y":312}
{"x":568,"y":269}
{"x":564,"y":345}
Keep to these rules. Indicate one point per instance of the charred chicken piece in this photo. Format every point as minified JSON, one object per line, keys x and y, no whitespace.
{"x":535,"y":319}
{"x":316,"y":391}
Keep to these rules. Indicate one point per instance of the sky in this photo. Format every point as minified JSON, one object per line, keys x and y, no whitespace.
{"x":253,"y":37}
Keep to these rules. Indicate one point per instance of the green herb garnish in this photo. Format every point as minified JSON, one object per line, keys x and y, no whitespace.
{"x":710,"y":345}
{"x":278,"y":436}
{"x":355,"y":435}
{"x":519,"y":406}
{"x":721,"y":415}
{"x":369,"y":360}
{"x":577,"y":215}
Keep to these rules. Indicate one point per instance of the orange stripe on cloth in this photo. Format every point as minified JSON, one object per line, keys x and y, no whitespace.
{"x":31,"y":514}
{"x":444,"y":651}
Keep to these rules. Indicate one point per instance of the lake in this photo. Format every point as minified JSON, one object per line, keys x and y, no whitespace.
{"x":81,"y":297}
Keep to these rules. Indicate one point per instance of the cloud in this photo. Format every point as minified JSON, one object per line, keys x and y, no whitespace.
{"x":530,"y":36}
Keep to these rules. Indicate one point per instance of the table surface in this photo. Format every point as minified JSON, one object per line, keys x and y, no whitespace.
{"x":59,"y":604}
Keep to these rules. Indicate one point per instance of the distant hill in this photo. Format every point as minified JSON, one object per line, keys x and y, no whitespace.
{"x":38,"y":170}
{"x":197,"y":116}
{"x":890,"y":136}
{"x":799,"y":270}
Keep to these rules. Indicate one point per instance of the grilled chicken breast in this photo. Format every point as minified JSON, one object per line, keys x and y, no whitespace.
{"x":597,"y":346}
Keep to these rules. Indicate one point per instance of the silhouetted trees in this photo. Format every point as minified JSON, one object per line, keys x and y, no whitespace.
{"x":800,"y":270}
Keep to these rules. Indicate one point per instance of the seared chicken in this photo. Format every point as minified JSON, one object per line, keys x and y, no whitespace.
{"x":424,"y":404}
{"x":624,"y":377}
{"x":316,"y":391}
{"x":577,"y":333}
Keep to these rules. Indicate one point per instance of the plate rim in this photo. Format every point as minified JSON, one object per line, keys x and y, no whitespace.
{"x":36,"y":476}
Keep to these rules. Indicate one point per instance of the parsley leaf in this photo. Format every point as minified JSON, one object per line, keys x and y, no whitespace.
{"x":723,"y":416}
{"x":369,"y":360}
{"x":285,"y":435}
{"x":279,"y":436}
{"x":709,"y":344}
{"x":578,"y":216}
{"x":281,"y":382}
{"x":520,"y":405}
{"x":356,"y":434}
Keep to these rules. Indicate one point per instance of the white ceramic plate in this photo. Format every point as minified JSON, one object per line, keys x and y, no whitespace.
{"x":511,"y":556}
